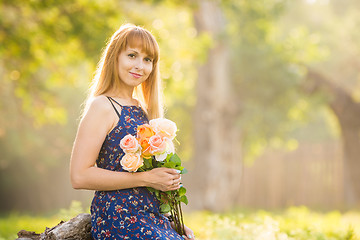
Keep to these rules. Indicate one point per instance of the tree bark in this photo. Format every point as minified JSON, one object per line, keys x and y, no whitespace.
{"x":217,"y":156}
{"x":347,"y":111}
{"x":76,"y":228}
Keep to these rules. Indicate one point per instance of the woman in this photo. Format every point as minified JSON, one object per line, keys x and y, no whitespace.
{"x":125,"y":93}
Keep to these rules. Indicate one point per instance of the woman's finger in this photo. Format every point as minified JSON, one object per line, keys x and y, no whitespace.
{"x":173,"y":171}
{"x":188,"y":237}
{"x":189,"y":233}
{"x":173,"y":187}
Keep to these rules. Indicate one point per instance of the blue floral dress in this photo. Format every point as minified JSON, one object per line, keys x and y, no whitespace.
{"x":127,"y":213}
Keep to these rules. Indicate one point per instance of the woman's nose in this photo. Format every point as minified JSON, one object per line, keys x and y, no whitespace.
{"x":139,"y":64}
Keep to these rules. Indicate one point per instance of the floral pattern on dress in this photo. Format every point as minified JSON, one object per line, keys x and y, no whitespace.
{"x":127,"y":213}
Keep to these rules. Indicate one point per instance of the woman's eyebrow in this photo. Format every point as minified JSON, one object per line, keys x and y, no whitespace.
{"x":134,"y":50}
{"x":141,"y":52}
{"x":138,"y":52}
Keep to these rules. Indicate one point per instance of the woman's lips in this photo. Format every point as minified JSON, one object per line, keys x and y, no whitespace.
{"x":135,"y":75}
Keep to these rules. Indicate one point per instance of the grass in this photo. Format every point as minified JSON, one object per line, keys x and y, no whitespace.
{"x":295,"y":223}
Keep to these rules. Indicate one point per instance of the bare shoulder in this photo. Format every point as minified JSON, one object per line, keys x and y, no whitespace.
{"x":100,"y":107}
{"x":99,"y":116}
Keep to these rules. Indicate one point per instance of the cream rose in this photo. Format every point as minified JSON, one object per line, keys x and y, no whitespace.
{"x":131,"y":162}
{"x":164,"y":127}
{"x":170,"y":146}
{"x":129,"y":144}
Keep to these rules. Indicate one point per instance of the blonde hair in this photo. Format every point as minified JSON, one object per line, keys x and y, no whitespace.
{"x":107,"y":78}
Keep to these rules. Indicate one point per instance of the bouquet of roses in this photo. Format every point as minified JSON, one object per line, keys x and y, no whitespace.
{"x":153,"y":147}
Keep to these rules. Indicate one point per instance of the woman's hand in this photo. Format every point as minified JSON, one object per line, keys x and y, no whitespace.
{"x":163,"y":179}
{"x":189,"y":234}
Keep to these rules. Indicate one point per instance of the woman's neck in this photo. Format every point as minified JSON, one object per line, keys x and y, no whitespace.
{"x":124,"y":97}
{"x":126,"y":94}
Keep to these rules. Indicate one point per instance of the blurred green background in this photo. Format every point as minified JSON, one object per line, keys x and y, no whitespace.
{"x":266,"y":95}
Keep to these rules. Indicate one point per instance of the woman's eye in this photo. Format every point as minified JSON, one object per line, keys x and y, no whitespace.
{"x":148,"y":59}
{"x":131,"y":55}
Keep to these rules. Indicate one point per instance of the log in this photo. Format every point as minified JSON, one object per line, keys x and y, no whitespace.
{"x":76,"y":228}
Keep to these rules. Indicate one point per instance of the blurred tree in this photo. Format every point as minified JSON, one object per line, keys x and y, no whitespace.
{"x":34,"y":35}
{"x":323,"y":36}
{"x":217,"y":154}
{"x":245,"y":90}
{"x":347,"y":111}
{"x":264,"y":76}
{"x":337,"y":76}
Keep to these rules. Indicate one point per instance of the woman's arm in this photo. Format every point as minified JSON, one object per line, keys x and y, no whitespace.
{"x":98,"y":120}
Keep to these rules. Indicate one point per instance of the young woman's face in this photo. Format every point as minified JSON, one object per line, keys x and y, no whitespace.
{"x":134,"y":66}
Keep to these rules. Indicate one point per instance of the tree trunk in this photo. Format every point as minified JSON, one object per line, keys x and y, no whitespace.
{"x":76,"y":228}
{"x":347,"y":112}
{"x":217,"y":156}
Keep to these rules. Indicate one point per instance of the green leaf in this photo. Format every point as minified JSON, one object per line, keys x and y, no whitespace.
{"x":151,"y":189}
{"x":184,"y":171}
{"x":164,"y":208}
{"x":170,"y":165}
{"x":179,"y":168}
{"x":155,"y":163}
{"x":175,"y":159}
{"x":147,"y":163}
{"x":182,"y":191}
{"x":157,"y":194}
{"x":168,"y":157}
{"x":184,"y":199}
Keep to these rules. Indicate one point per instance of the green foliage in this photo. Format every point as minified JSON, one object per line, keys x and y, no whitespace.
{"x":182,"y":191}
{"x":48,"y":51}
{"x":165,"y":207}
{"x":175,"y":159}
{"x":296,"y":223}
{"x":13,"y":223}
{"x":35,"y":35}
{"x":169,"y":198}
{"x":67,"y":213}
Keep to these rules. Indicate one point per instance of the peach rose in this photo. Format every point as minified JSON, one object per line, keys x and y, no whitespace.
{"x":169,"y":149}
{"x":129,"y":144}
{"x":145,"y":131}
{"x":164,"y":127}
{"x":131,"y":162}
{"x":145,"y":146}
{"x":157,"y":145}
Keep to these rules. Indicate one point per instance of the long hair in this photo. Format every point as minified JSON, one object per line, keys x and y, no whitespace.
{"x":107,"y":78}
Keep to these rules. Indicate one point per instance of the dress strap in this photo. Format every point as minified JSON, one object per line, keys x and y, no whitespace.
{"x":111,"y":101}
{"x":115,"y":101}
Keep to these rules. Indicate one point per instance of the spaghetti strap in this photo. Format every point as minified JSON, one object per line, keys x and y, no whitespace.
{"x":115,"y":101}
{"x":110,"y":99}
